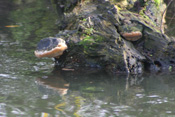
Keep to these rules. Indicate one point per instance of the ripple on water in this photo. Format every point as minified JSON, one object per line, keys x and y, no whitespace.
{"x":153,"y":96}
{"x":2,"y":110}
{"x":7,"y":76}
{"x":156,"y":99}
{"x":43,"y":66}
{"x":140,"y":95}
{"x":17,"y":111}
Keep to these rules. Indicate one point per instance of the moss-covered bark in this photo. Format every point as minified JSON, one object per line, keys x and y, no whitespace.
{"x":95,"y":32}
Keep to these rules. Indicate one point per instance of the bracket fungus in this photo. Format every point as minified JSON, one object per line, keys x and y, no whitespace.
{"x":50,"y":47}
{"x":132,"y":36}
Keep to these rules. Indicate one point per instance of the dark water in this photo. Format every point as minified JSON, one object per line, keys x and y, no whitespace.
{"x":31,"y":87}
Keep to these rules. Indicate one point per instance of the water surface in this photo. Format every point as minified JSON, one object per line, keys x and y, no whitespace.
{"x":33,"y":87}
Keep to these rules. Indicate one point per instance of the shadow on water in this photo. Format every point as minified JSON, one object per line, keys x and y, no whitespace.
{"x":33,"y":87}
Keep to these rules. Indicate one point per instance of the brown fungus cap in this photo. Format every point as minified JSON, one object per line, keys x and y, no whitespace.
{"x":50,"y":47}
{"x":132,"y":36}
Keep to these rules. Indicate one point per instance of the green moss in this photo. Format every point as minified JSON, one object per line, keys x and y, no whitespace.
{"x":116,"y":1}
{"x":87,"y":40}
{"x":84,"y":20}
{"x":157,"y":2}
{"x":99,"y":38}
{"x":143,"y":14}
{"x":89,"y":31}
{"x":170,"y":68}
{"x":91,"y":44}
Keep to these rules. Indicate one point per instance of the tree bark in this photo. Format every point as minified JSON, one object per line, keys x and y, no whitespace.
{"x":118,"y":36}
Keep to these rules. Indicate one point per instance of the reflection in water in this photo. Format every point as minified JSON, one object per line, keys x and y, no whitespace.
{"x":98,"y":94}
{"x":54,"y":82}
{"x":117,"y":97}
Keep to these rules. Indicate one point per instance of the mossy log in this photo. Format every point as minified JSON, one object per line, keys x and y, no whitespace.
{"x":115,"y":35}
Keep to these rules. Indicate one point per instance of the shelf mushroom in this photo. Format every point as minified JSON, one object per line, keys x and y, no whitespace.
{"x":50,"y":47}
{"x":132,"y":36}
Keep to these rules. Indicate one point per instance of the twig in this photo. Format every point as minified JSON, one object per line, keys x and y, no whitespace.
{"x":163,"y":15}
